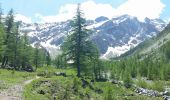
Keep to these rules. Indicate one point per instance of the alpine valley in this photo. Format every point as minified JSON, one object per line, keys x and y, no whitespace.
{"x":90,"y":55}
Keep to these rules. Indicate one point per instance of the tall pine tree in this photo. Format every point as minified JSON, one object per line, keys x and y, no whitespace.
{"x":78,"y":46}
{"x":2,"y":36}
{"x":9,"y":39}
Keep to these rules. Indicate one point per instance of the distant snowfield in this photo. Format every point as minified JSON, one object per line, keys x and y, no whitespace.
{"x":95,"y":25}
{"x":52,"y":49}
{"x":111,"y":35}
{"x":117,"y":51}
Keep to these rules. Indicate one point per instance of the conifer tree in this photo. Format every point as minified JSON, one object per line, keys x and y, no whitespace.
{"x":48,"y":58}
{"x":16,"y":42}
{"x":36,"y":56}
{"x":25,"y":53}
{"x":2,"y":36}
{"x":77,"y":46}
{"x":9,"y":39}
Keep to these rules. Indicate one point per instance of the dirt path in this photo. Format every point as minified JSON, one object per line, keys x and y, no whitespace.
{"x":15,"y":92}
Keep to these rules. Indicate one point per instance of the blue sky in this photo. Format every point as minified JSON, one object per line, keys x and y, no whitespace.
{"x":45,"y":7}
{"x":55,"y":10}
{"x":166,"y":12}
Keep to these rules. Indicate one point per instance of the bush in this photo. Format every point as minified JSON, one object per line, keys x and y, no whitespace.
{"x":76,"y":84}
{"x":13,"y":72}
{"x":49,"y":75}
{"x":157,"y":85}
{"x":46,"y":74}
{"x":108,"y":94}
{"x":127,"y":81}
{"x":41,"y":73}
{"x":3,"y":85}
{"x":142,"y":83}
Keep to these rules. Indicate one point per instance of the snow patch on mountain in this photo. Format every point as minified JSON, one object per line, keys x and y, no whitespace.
{"x":115,"y":51}
{"x":95,"y":25}
{"x":118,"y":50}
{"x":113,"y":36}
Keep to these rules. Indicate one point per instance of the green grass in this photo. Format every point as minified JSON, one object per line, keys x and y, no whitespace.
{"x":158,"y":85}
{"x":141,"y":83}
{"x":11,"y":77}
{"x":46,"y":88}
{"x":57,"y":86}
{"x":154,"y":85}
{"x":70,"y":87}
{"x":44,"y":71}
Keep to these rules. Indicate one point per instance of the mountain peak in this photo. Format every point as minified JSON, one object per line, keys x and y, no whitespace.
{"x":113,"y":37}
{"x":127,"y":16}
{"x":147,"y":20}
{"x":101,"y":18}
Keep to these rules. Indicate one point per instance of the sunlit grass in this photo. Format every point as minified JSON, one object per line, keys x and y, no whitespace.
{"x":12,"y":77}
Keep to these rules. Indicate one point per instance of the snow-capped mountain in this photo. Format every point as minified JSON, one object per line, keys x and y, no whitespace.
{"x":113,"y":36}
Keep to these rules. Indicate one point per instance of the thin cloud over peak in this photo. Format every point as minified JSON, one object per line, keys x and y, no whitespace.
{"x":20,"y":17}
{"x":142,"y":8}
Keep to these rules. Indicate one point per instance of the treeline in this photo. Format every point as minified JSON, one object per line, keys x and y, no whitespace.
{"x":153,"y":66}
{"x":15,"y":49}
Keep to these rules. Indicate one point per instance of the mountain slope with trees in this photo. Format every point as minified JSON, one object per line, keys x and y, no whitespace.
{"x":151,"y":58}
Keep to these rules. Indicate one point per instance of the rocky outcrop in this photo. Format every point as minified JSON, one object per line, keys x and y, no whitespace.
{"x":153,"y":93}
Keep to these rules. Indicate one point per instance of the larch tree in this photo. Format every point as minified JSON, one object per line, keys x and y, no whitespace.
{"x":2,"y":36}
{"x":48,"y":58}
{"x":16,"y":46}
{"x":77,"y":46}
{"x":36,"y":56}
{"x":8,"y":38}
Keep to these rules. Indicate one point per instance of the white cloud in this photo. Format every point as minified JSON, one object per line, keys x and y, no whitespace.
{"x":139,"y":8}
{"x":90,"y":9}
{"x":142,"y":8}
{"x":19,"y":17}
{"x":93,"y":10}
{"x":169,"y":19}
{"x":66,"y":12}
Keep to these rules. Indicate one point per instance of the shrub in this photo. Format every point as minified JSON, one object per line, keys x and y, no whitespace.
{"x":3,"y":85}
{"x":41,"y":73}
{"x":108,"y":94}
{"x":127,"y":81}
{"x":76,"y":84}
{"x":142,"y":83}
{"x":157,"y":85}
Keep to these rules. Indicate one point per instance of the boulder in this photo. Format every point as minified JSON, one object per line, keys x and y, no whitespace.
{"x":115,"y":82}
{"x":99,"y":91}
{"x":166,"y":93}
{"x":147,"y":92}
{"x":166,"y":97}
{"x":60,"y":74}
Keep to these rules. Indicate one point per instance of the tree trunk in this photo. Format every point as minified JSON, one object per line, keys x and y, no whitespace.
{"x":4,"y":61}
{"x":78,"y":46}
